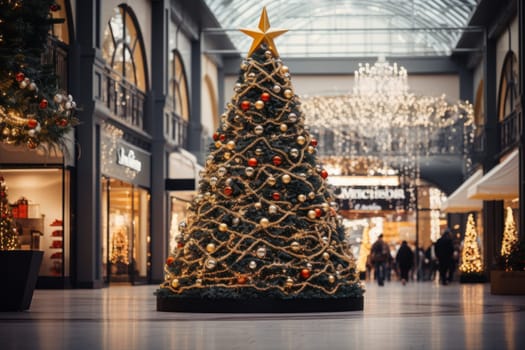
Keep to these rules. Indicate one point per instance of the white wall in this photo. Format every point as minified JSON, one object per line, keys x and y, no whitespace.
{"x":504,"y":45}
{"x":209,"y":110}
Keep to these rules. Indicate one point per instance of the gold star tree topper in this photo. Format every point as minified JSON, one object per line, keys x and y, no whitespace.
{"x":263,"y":34}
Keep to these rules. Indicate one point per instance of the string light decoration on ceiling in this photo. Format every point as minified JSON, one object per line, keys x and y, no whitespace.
{"x":382,"y":119}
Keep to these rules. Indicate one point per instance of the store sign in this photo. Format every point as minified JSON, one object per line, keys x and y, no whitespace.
{"x":374,"y":198}
{"x":370,"y":193}
{"x":128,"y":159}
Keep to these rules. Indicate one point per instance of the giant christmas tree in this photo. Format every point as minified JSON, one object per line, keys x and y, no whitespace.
{"x":262,"y":234}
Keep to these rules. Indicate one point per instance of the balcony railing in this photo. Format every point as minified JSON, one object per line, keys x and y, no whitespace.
{"x":508,"y":131}
{"x":56,"y":54}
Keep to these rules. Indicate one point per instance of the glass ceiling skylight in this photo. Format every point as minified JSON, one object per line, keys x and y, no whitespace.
{"x":349,"y":28}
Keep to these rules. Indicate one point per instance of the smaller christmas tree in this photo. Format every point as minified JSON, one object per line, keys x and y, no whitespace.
{"x":470,"y":255}
{"x":364,"y":250}
{"x":8,"y":234}
{"x":119,"y":250}
{"x":510,"y":237}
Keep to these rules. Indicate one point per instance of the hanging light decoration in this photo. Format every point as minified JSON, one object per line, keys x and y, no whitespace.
{"x":384,"y":128}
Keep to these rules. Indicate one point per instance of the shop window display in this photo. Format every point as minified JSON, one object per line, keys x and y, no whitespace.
{"x":38,"y":207}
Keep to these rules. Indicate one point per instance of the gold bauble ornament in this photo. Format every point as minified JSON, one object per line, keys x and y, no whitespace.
{"x":285,"y":69}
{"x":218,"y":144}
{"x":311,"y":214}
{"x":258,"y":152}
{"x":175,"y":283}
{"x":230,"y":145}
{"x":210,"y":247}
{"x":311,"y":195}
{"x":223,"y":227}
{"x":213,"y":180}
{"x":237,"y":87}
{"x":258,"y":130}
{"x":261,"y":252}
{"x":6,"y":131}
{"x":294,"y":152}
{"x":15,"y":132}
{"x":289,"y":282}
{"x":221,"y":171}
{"x":301,"y":140}
{"x":326,"y":256}
{"x":311,"y":149}
{"x":264,"y":222}
{"x":286,"y":178}
{"x":272,"y":181}
{"x":325,"y":206}
{"x":272,"y":209}
{"x":249,"y":171}
{"x":301,"y":198}
{"x":268,"y":54}
{"x":244,"y":65}
{"x":331,"y":278}
{"x":198,"y":282}
{"x":252,"y":265}
{"x":292,"y":117}
{"x":227,"y":155}
{"x":276,"y":89}
{"x":283,"y":127}
{"x":288,"y":93}
{"x":257,"y":205}
{"x":295,"y":246}
{"x":259,"y":104}
{"x":211,"y":263}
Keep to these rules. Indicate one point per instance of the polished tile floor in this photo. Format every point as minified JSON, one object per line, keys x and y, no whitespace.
{"x":417,"y":316}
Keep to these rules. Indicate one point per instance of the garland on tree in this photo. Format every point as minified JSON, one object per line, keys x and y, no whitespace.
{"x":8,"y":233}
{"x":33,"y":111}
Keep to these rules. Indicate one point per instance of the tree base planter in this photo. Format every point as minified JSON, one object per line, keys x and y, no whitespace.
{"x":472,"y":278}
{"x":19,"y":273}
{"x":166,"y":303}
{"x":507,"y":282}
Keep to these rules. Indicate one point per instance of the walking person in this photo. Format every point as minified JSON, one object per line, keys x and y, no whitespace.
{"x":444,"y":252}
{"x":405,"y":261}
{"x":380,"y":253}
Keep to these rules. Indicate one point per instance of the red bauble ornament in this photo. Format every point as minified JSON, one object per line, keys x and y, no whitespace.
{"x":241,"y":279}
{"x":245,"y":105}
{"x":252,"y":162}
{"x":170,"y":260}
{"x":54,"y":7}
{"x":277,"y":160}
{"x":215,"y":136}
{"x":305,"y":273}
{"x":276,"y":196}
{"x":32,"y":123}
{"x":318,"y":212}
{"x":324,"y":174}
{"x":222,"y":137}
{"x":313,"y":142}
{"x":228,"y":190}
{"x":62,"y":122}
{"x":43,"y":104}
{"x":180,"y":244}
{"x":265,"y":96}
{"x":20,"y":76}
